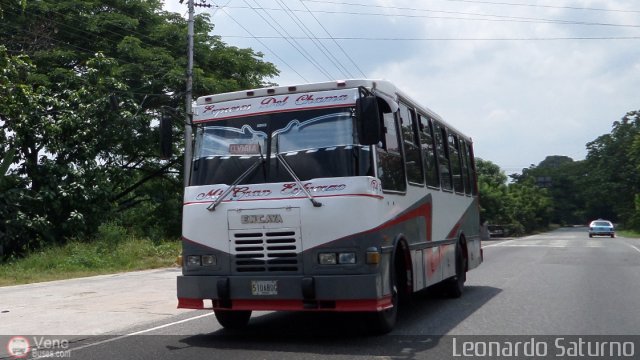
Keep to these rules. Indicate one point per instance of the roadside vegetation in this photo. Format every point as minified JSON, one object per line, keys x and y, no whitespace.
{"x":83,"y":189}
{"x":82,"y":86}
{"x":628,"y":234}
{"x":565,"y":192}
{"x":112,"y":251}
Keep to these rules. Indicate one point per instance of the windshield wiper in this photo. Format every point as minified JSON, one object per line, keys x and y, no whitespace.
{"x":297,"y":180}
{"x":240,"y":178}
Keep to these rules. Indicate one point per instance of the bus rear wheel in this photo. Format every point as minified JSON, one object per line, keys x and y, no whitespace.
{"x":230,"y":319}
{"x":455,"y":286}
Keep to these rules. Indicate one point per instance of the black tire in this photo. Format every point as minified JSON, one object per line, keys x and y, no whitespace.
{"x":382,"y":322}
{"x":230,"y":319}
{"x":454,"y":286}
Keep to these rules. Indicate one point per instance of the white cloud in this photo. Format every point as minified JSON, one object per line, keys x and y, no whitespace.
{"x":520,"y":100}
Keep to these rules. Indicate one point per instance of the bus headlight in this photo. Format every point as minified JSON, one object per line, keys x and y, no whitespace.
{"x":209,"y":260}
{"x":204,"y":260}
{"x":193,"y":260}
{"x":347,"y":258}
{"x":327,"y":258}
{"x":337,"y":258}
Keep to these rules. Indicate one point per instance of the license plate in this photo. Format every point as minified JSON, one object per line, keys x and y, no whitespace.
{"x":264,"y":287}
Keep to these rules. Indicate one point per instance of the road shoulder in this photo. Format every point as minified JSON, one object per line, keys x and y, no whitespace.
{"x":89,"y":306}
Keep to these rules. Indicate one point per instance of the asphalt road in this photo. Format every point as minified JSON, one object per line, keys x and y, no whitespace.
{"x":541,"y":288}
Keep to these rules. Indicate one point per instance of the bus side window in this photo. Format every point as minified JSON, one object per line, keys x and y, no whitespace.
{"x":390,"y":133}
{"x":443,"y":157}
{"x":456,"y":164}
{"x":472,"y":169}
{"x":466,"y":171}
{"x":390,"y":169}
{"x":428,"y":152}
{"x":411,"y":145}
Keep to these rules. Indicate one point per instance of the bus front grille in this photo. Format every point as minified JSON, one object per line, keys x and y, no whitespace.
{"x":268,"y":250}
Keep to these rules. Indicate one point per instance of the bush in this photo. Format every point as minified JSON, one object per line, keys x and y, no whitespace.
{"x":109,"y":236}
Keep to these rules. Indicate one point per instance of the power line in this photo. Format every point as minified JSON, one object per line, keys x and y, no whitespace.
{"x":502,"y":19}
{"x":450,"y":39}
{"x":91,"y":54}
{"x":544,"y":6}
{"x":152,"y":42}
{"x":292,"y":41}
{"x":75,"y":30}
{"x":334,"y":41}
{"x":491,"y":17}
{"x":265,"y":45}
{"x":490,"y":3}
{"x":319,"y":45}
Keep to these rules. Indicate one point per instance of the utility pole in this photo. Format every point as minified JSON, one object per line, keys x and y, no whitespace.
{"x":188,"y":132}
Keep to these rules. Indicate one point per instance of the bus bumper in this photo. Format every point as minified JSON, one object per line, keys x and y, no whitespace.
{"x":286,"y":293}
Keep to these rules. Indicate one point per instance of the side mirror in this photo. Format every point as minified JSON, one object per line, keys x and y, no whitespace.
{"x":166,"y":144}
{"x":368,"y":120}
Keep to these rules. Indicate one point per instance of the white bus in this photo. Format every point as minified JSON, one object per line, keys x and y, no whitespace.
{"x":334,"y":196}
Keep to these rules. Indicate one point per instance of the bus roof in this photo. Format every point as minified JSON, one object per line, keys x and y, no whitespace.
{"x":382,"y":87}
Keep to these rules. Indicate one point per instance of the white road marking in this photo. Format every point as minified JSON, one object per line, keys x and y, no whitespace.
{"x":498,"y":244}
{"x":141,"y":332}
{"x":635,"y":248}
{"x":557,"y":243}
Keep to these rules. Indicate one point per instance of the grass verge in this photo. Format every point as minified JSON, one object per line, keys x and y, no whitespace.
{"x":78,"y":259}
{"x":628,"y":234}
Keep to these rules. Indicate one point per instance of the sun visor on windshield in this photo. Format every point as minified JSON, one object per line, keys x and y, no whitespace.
{"x":276,"y":103}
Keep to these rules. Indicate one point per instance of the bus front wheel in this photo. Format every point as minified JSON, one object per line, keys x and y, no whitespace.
{"x":384,"y":321}
{"x":230,"y":319}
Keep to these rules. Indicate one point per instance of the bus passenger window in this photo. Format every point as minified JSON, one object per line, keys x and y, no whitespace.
{"x":443,"y":157}
{"x":390,"y":133}
{"x":411,"y":145}
{"x":472,"y":169}
{"x":428,"y":152}
{"x":390,"y":169}
{"x":464,"y":151}
{"x":456,"y":165}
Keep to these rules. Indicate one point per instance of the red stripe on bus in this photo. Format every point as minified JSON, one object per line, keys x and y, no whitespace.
{"x":186,"y":303}
{"x":424,"y":210}
{"x":316,"y":305}
{"x":286,"y":198}
{"x":292,"y":305}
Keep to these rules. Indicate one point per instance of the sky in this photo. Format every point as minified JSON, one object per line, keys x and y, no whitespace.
{"x":525,"y":79}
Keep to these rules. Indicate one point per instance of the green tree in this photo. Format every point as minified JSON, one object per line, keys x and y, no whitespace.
{"x":59,"y":159}
{"x":529,"y":206}
{"x":612,"y":179}
{"x":492,"y":186}
{"x":522,"y":205}
{"x":84,"y":84}
{"x":561,"y":177}
{"x":555,"y":162}
{"x":604,"y":185}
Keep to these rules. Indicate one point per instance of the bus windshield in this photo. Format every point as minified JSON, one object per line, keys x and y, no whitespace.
{"x":316,"y":143}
